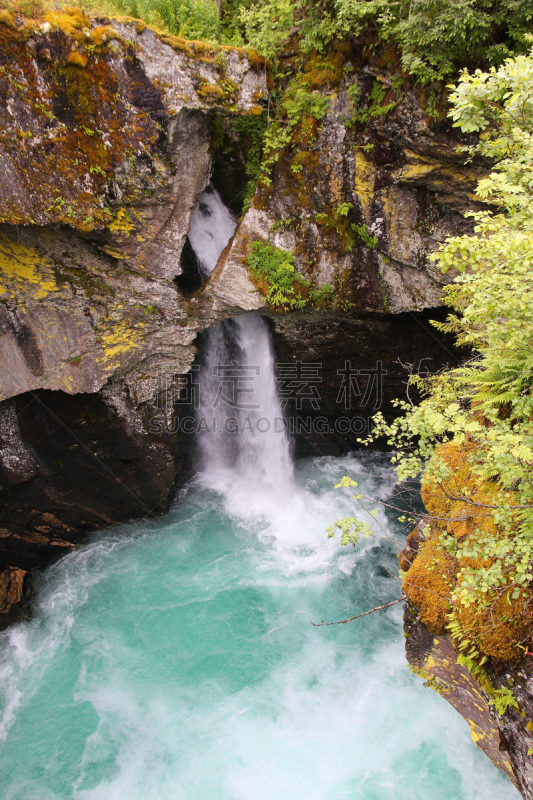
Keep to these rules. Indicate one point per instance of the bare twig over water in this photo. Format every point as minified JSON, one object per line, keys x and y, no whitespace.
{"x":342,"y":621}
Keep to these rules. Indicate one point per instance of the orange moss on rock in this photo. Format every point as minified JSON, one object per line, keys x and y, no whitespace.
{"x":496,"y":627}
{"x":65,"y":128}
{"x":72,"y":21}
{"x":500,"y":630}
{"x":103,"y":34}
{"x":428,"y":584}
{"x":323,"y":72}
{"x":77,"y":59}
{"x":7,"y":19}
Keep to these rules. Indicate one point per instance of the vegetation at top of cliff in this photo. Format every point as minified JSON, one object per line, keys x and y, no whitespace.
{"x":435,"y":37}
{"x":193,"y":19}
{"x":471,"y":439}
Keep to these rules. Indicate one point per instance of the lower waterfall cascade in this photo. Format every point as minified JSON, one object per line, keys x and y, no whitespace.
{"x":246,"y":436}
{"x":174,"y":658}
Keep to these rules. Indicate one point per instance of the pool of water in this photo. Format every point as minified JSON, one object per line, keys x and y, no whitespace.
{"x":174,"y":658}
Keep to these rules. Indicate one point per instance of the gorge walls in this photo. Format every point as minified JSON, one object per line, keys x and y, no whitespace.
{"x":112,"y":132}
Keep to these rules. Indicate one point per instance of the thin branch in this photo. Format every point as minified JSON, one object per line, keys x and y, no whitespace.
{"x":388,"y":538}
{"x":343,"y":621}
{"x":470,"y":502}
{"x":420,"y":514}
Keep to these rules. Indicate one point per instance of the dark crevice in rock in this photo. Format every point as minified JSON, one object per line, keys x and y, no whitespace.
{"x":229,"y":177}
{"x":191,"y":278}
{"x":372,"y":351}
{"x":144,"y":93}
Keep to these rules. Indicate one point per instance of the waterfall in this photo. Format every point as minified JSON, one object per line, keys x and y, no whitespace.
{"x":173,"y":657}
{"x":239,"y":420}
{"x":212,"y":226}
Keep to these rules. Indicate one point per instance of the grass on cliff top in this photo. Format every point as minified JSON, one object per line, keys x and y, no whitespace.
{"x":192,"y":19}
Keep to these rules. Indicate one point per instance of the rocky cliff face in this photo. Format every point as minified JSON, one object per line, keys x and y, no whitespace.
{"x":364,"y":197}
{"x":505,"y":739}
{"x":107,"y":143}
{"x":111,"y":131}
{"x":108,"y":133}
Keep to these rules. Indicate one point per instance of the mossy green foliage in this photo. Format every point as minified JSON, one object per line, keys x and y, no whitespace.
{"x":233,"y":30}
{"x":268,"y":24}
{"x":251,"y":130}
{"x":435,"y":37}
{"x":274,"y":272}
{"x":366,"y":238}
{"x":349,"y":234}
{"x":300,"y":101}
{"x":299,"y":112}
{"x":374,"y":107}
{"x":281,"y":281}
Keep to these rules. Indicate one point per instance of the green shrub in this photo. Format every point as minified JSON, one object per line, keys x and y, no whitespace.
{"x":276,"y":269}
{"x":285,"y":288}
{"x":193,"y":19}
{"x":435,"y":37}
{"x":297,"y":104}
{"x":267,"y":25}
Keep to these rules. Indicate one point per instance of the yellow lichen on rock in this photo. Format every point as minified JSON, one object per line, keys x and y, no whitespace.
{"x":23,"y":271}
{"x":453,"y":681}
{"x":365,"y":180}
{"x":120,"y":338}
{"x":122,"y":222}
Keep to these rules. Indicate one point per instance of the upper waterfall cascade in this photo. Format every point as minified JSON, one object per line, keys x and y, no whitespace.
{"x":212,"y":226}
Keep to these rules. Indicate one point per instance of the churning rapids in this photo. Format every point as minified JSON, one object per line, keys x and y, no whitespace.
{"x":175,"y":659}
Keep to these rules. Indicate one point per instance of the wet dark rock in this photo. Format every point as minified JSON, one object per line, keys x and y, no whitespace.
{"x":505,"y":739}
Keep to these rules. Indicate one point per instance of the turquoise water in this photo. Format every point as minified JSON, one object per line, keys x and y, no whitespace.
{"x":175,"y":659}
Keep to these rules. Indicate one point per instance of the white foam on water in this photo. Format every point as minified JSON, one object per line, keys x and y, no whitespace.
{"x":179,"y":657}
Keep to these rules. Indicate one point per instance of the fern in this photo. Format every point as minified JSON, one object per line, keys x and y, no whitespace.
{"x":486,"y":403}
